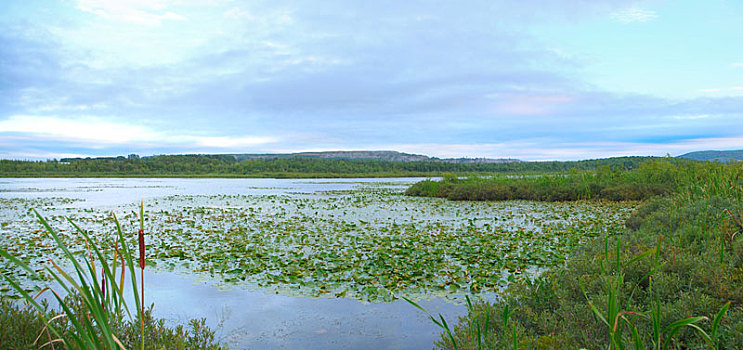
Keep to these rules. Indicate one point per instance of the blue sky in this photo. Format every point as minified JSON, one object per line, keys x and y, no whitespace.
{"x":533,"y":80}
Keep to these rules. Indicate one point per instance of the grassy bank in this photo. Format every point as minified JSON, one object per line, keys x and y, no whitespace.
{"x":672,"y":280}
{"x":650,"y":179}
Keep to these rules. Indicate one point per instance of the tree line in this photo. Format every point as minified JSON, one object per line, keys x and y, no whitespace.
{"x":228,"y":166}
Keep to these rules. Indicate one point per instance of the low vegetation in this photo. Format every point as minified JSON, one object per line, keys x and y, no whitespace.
{"x":668,"y":276}
{"x":26,"y":329}
{"x":673,"y":279}
{"x":649,"y":179}
{"x":93,"y":312}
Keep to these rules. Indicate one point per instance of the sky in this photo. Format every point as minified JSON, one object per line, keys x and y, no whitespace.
{"x":532,"y":80}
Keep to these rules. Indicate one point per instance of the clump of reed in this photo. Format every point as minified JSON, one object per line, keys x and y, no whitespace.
{"x":94,"y":313}
{"x":100,"y":292}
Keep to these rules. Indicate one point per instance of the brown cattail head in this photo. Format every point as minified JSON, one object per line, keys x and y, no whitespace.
{"x":141,"y":249}
{"x":103,"y":288}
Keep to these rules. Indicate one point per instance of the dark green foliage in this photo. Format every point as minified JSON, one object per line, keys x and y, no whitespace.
{"x":20,"y":327}
{"x":634,"y":192}
{"x":646,"y":209}
{"x":229,"y":166}
{"x":650,"y":179}
{"x":666,"y":282}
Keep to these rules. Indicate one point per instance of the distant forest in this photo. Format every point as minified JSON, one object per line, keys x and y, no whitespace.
{"x":228,"y":166}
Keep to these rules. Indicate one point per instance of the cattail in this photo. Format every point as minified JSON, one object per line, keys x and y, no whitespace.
{"x":141,"y":262}
{"x":103,"y":289}
{"x":141,"y":249}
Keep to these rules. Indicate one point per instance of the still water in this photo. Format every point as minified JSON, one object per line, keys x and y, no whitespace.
{"x":245,"y":316}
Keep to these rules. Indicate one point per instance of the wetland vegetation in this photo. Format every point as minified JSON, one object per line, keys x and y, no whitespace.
{"x":561,"y":264}
{"x":672,"y":280}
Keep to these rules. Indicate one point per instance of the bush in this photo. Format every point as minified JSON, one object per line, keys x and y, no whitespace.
{"x":634,"y":191}
{"x":681,"y":259}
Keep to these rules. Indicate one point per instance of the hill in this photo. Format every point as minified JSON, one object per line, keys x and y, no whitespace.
{"x":714,"y":156}
{"x":388,"y":156}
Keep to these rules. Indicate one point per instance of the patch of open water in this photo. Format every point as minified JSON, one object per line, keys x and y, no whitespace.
{"x":292,"y":238}
{"x":242,"y":317}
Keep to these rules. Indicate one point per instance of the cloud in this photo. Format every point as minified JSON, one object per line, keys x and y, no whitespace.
{"x":738,"y":64}
{"x":100,"y":132}
{"x":401,"y":73}
{"x":241,"y":14}
{"x":147,"y":12}
{"x":91,"y":129}
{"x":633,"y":15}
{"x":550,"y":149}
{"x":516,"y":103}
{"x":229,"y":143}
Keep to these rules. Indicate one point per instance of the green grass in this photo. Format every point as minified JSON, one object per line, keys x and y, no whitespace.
{"x":672,"y":280}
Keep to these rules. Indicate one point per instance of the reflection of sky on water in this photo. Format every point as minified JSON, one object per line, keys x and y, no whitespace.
{"x":103,"y":193}
{"x":247,"y":318}
{"x":274,"y":321}
{"x":252,"y":318}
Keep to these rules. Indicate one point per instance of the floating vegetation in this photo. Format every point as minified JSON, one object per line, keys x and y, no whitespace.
{"x":371,"y":244}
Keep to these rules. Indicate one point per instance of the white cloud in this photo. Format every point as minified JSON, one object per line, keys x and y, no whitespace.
{"x":238,"y":13}
{"x":84,"y":129}
{"x":149,"y":12}
{"x":690,"y":117}
{"x":634,"y":14}
{"x":96,"y":132}
{"x":230,"y":142}
{"x":528,"y":103}
{"x":738,"y":64}
{"x":549,"y":149}
{"x":709,"y":90}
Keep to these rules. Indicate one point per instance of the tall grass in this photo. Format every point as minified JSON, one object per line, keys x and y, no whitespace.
{"x":93,"y":311}
{"x":103,"y":303}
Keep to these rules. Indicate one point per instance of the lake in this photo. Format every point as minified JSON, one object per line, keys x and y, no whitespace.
{"x":315,"y":264}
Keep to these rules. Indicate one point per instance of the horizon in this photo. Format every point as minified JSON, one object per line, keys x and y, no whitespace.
{"x":340,"y":151}
{"x":563,"y":81}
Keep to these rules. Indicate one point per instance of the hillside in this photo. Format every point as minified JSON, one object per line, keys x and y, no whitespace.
{"x":715,"y":156}
{"x":388,"y":156}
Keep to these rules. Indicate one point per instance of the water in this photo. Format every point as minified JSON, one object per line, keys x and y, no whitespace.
{"x":261,"y":320}
{"x":244,"y":317}
{"x":291,"y":240}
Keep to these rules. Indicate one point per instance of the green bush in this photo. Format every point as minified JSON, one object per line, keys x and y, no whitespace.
{"x":678,"y":266}
{"x":634,"y":191}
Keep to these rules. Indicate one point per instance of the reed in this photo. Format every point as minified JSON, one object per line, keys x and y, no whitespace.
{"x":102,"y":305}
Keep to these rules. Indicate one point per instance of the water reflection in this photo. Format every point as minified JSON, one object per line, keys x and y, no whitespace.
{"x":258,"y":320}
